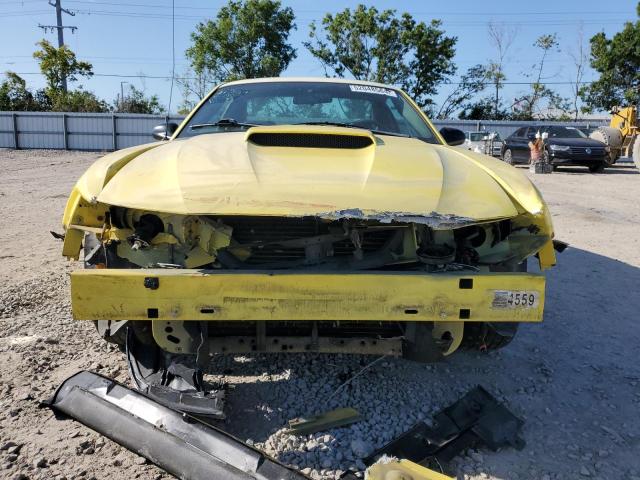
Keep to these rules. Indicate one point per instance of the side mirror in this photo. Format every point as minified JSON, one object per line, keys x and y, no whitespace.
{"x":164,"y":131}
{"x":452,"y":136}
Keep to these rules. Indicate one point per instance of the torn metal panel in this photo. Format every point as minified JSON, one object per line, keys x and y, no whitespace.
{"x":177,"y":443}
{"x":435,"y":220}
{"x":339,"y":417}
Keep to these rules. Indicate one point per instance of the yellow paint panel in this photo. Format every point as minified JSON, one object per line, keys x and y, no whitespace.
{"x":403,"y":470}
{"x":547,"y":256}
{"x":215,"y":295}
{"x":102,"y":170}
{"x":222,"y":173}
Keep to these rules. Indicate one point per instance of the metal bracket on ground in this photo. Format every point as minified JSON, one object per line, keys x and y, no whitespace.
{"x":171,"y":381}
{"x":476,"y":419}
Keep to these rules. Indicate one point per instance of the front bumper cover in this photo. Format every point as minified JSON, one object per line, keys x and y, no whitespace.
{"x":568,"y":158}
{"x":178,"y":295}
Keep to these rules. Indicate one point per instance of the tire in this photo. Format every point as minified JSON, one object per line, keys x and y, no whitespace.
{"x":610,"y":159}
{"x":507,"y":157}
{"x":598,"y":168}
{"x":485,"y":336}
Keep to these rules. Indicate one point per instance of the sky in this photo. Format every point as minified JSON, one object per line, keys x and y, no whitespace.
{"x":129,"y":39}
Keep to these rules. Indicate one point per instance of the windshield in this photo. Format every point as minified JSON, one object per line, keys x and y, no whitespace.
{"x":564,"y":132}
{"x":381,"y":110}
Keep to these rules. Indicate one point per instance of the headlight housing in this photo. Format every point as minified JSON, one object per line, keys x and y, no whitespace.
{"x":560,"y":148}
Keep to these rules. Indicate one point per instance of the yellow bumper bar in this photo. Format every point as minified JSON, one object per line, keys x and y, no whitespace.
{"x":166,"y":294}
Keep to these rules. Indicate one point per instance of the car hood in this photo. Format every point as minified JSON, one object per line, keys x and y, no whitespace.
{"x":575,"y":142}
{"x":394,"y":178}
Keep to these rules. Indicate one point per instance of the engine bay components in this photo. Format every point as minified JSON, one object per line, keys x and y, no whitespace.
{"x":148,"y":240}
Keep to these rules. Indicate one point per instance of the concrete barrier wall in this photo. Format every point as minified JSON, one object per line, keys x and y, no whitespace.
{"x":105,"y":131}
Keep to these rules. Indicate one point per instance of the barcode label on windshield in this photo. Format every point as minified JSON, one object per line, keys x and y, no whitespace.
{"x":371,"y":89}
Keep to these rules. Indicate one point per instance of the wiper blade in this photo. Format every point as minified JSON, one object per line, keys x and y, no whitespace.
{"x":223,"y":122}
{"x":333,"y":124}
{"x":351,"y":125}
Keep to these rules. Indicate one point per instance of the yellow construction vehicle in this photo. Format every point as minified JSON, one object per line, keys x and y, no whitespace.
{"x":621,"y":135}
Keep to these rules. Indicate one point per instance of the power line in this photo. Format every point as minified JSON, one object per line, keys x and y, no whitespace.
{"x":168,"y":77}
{"x":322,"y":12}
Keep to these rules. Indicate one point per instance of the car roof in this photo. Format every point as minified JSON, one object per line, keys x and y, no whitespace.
{"x":310,"y":80}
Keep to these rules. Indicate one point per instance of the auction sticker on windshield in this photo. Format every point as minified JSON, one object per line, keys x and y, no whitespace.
{"x":371,"y":89}
{"x":515,"y":299}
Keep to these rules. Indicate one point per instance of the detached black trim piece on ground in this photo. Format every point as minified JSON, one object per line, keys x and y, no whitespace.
{"x":178,"y":443}
{"x":476,"y":419}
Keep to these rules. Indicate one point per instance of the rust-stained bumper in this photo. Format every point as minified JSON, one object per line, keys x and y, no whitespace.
{"x":166,"y":294}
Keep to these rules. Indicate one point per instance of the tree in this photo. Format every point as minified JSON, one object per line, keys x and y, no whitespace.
{"x":15,"y":96}
{"x":136,"y":102}
{"x":481,"y":110}
{"x":528,"y":105}
{"x":379,"y":46}
{"x":78,"y":100}
{"x":56,"y":64}
{"x":194,"y":87}
{"x":248,"y":39}
{"x":502,"y":38}
{"x":579,"y":58}
{"x":617,"y":60}
{"x":471,"y":83}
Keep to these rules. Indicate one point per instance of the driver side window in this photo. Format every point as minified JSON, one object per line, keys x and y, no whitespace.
{"x":520,"y":133}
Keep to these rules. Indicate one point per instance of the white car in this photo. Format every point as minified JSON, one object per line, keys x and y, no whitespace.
{"x":480,"y":142}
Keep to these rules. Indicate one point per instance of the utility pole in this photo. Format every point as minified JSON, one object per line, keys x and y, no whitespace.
{"x":122,"y":94}
{"x":60,"y":28}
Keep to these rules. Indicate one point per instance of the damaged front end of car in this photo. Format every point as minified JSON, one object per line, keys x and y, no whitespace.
{"x":388,"y":247}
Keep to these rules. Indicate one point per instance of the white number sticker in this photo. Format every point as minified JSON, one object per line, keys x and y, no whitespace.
{"x":371,"y":89}
{"x":515,"y":299}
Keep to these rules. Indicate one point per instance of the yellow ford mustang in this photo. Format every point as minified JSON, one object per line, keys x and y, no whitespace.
{"x":305,"y":215}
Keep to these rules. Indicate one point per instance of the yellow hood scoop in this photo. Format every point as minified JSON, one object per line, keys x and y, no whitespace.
{"x":310,"y":136}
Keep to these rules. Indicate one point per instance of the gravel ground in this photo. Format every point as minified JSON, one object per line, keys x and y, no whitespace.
{"x":575,"y":379}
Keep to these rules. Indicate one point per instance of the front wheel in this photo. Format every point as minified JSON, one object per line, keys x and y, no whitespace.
{"x":486,"y":336}
{"x":598,"y":168}
{"x":611,"y":158}
{"x":507,"y":157}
